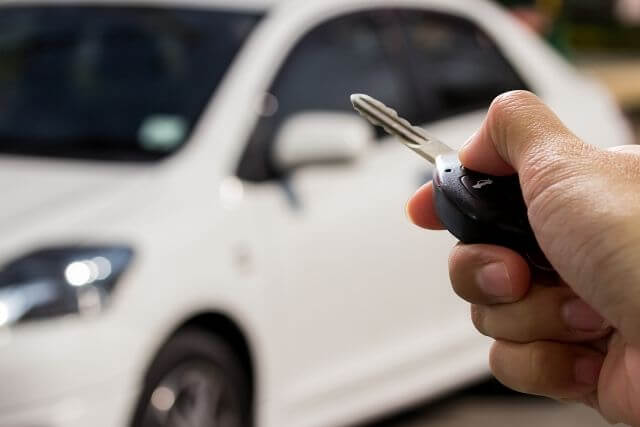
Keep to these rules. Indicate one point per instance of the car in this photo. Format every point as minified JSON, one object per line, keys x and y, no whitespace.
{"x":198,"y":230}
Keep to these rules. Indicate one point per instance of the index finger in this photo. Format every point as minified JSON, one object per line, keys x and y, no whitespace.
{"x":421,"y":209}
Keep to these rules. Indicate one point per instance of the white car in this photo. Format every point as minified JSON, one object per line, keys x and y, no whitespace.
{"x":198,"y":231}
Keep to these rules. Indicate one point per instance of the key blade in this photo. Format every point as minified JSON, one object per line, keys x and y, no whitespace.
{"x":413,"y":137}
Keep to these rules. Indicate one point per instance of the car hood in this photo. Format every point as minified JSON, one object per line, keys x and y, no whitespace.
{"x":33,"y":189}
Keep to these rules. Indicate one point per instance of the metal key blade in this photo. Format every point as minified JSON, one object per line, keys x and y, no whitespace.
{"x":412,"y":136}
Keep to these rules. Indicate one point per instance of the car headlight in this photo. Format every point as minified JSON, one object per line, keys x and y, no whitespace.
{"x":58,"y":281}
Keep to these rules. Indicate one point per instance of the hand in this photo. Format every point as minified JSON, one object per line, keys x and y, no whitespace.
{"x":580,"y":339}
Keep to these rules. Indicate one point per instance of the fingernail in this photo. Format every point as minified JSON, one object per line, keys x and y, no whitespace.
{"x":493,"y":279}
{"x":587,"y":370}
{"x":579,"y":316}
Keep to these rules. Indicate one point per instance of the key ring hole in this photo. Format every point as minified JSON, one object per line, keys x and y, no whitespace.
{"x":447,"y":170}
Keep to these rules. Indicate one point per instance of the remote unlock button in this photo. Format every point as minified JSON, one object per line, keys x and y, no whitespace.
{"x":493,"y":189}
{"x":482,"y":188}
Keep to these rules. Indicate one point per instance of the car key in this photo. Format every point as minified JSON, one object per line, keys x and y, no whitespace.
{"x":474,"y":207}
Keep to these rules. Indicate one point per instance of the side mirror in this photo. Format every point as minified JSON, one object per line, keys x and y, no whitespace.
{"x":321,"y":138}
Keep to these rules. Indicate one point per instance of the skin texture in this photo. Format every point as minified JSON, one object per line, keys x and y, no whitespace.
{"x":574,"y":336}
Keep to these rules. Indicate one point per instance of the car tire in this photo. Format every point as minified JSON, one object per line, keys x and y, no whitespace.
{"x":196,"y":380}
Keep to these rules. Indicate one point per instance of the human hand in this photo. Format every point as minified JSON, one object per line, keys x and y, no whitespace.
{"x":580,"y":339}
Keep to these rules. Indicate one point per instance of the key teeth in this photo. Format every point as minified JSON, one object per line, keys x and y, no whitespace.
{"x":378,"y":124}
{"x":389,"y":111}
{"x":383,"y":107}
{"x":370,"y":119}
{"x":397,"y":116}
{"x":389,"y":131}
{"x":421,"y":132}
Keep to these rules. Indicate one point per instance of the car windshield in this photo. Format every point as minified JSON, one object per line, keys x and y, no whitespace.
{"x":110,"y":83}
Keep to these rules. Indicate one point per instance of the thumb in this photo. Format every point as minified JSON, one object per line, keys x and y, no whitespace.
{"x":583,"y":203}
{"x":520,"y":133}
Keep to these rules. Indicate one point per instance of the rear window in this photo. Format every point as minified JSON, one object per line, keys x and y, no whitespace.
{"x":110,"y":83}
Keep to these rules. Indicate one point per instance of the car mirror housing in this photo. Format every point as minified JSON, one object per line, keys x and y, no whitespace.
{"x":321,"y":138}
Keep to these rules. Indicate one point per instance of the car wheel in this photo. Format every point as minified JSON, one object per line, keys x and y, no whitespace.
{"x":195,"y":381}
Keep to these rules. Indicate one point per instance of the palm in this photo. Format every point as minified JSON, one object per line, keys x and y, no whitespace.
{"x":619,"y":383}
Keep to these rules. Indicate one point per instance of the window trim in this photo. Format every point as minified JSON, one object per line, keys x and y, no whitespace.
{"x":526,"y":85}
{"x":300,"y":31}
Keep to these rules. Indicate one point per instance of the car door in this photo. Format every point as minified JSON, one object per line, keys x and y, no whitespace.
{"x":358,"y":292}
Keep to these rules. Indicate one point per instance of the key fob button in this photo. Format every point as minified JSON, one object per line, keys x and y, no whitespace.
{"x":492,"y":189}
{"x":482,"y":188}
{"x":501,"y":198}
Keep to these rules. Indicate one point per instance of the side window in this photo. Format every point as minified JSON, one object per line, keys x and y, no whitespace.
{"x":352,"y":53}
{"x":456,"y":66}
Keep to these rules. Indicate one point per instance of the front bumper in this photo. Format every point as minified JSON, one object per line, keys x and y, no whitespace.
{"x":69,"y":372}
{"x":102,"y":405}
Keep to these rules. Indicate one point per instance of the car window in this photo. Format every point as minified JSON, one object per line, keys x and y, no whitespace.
{"x":352,"y":53}
{"x":456,"y":66}
{"x":110,"y":83}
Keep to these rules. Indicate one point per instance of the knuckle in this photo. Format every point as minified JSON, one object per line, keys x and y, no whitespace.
{"x":515,"y":322}
{"x":460,"y":267}
{"x":513,"y":119}
{"x":538,"y":316}
{"x":453,"y":265}
{"x":535,"y":377}
{"x":459,"y":259}
{"x":510,"y":107}
{"x":505,"y":103}
{"x":495,"y":360}
{"x":464,"y":263}
{"x":529,"y":327}
{"x":477,"y":317}
{"x":546,"y":177}
{"x":500,"y":366}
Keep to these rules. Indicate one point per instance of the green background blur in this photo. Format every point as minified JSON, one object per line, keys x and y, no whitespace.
{"x":588,"y":26}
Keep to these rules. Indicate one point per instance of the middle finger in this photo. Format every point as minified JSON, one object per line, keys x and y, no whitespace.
{"x":546,"y":313}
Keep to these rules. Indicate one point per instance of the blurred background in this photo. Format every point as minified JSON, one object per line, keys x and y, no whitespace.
{"x":198,"y":231}
{"x":600,"y":37}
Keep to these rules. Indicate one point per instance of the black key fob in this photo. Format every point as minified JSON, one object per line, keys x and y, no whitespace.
{"x":479,"y":208}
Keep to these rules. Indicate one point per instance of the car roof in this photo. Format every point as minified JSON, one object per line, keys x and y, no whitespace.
{"x":254,"y":5}
{"x":262,"y":5}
